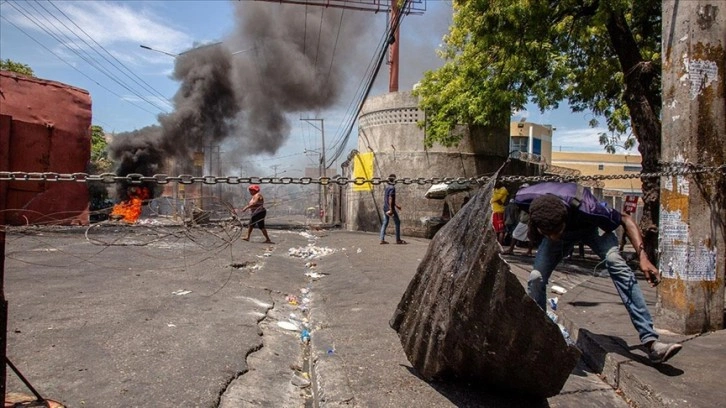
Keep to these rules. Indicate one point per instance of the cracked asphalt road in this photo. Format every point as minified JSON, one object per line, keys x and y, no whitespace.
{"x":161,"y":316}
{"x":128,"y":316}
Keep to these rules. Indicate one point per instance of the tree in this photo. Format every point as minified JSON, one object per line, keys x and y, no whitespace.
{"x":99,"y":163}
{"x":598,"y":55}
{"x":20,"y":68}
{"x":99,"y":150}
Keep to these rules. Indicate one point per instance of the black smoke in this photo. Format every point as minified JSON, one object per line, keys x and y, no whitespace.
{"x":281,"y":59}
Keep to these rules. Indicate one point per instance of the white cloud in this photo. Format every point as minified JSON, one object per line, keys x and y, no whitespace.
{"x":581,"y":140}
{"x":105,"y":22}
{"x":112,"y":23}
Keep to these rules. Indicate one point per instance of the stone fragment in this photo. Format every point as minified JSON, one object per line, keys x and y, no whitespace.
{"x":466,"y":317}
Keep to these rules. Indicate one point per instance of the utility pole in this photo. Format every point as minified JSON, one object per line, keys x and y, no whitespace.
{"x":693,"y":207}
{"x":323,"y":168}
{"x":274,"y":168}
{"x":393,"y":7}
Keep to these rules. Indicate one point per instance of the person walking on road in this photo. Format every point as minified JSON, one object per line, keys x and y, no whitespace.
{"x":562,"y":214}
{"x":390,"y":210}
{"x":257,"y":208}
{"x":498,"y":201}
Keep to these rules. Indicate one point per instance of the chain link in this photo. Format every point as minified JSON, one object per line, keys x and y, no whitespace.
{"x":667,"y":170}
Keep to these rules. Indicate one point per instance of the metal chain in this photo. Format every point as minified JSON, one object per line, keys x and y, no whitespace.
{"x":667,"y":169}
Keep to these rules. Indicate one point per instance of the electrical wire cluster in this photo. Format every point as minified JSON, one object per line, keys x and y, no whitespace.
{"x":58,"y":25}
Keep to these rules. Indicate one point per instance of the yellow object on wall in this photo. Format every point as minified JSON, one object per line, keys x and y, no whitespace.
{"x":363,"y":168}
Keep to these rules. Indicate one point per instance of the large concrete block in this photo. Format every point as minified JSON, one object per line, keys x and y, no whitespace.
{"x":466,"y":317}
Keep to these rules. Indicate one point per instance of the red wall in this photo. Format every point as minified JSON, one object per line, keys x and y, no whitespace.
{"x":45,"y":126}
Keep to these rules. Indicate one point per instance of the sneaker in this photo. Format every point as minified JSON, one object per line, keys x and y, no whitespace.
{"x":661,"y":352}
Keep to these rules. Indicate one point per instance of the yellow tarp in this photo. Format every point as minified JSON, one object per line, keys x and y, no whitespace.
{"x":363,"y":167}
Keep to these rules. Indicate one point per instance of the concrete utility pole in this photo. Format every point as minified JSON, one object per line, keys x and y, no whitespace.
{"x":323,"y":204}
{"x":693,"y":208}
{"x":393,"y":7}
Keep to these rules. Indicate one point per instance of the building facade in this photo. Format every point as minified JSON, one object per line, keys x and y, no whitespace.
{"x":532,"y":138}
{"x":605,"y":164}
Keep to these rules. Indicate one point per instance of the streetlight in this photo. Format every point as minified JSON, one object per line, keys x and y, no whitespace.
{"x":146,"y":47}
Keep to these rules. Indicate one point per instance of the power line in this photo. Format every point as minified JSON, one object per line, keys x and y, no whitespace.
{"x":335,"y":47}
{"x":148,"y":86}
{"x":390,"y":32}
{"x":320,"y":34}
{"x":79,"y":51}
{"x":71,"y":65}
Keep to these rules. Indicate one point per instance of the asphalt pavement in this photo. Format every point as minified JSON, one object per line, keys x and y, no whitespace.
{"x":162,"y":316}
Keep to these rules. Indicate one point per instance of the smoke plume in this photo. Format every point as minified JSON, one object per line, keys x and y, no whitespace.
{"x":280,"y":59}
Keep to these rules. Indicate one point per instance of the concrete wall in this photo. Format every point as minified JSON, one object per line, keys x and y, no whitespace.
{"x":388,"y":128}
{"x":45,"y":127}
{"x":590,"y":164}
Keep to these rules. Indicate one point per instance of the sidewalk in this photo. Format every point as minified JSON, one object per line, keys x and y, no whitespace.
{"x":594,"y":314}
{"x":595,"y":317}
{"x":359,"y":360}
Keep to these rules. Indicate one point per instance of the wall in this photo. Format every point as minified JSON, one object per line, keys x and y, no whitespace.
{"x":612,"y":164}
{"x":45,"y":128}
{"x":388,"y":127}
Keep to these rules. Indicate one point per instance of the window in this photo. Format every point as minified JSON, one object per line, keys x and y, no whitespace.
{"x":601,"y":167}
{"x":537,"y":146}
{"x":632,"y":168}
{"x":519,"y":144}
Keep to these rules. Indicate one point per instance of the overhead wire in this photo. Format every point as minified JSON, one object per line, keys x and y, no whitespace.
{"x":72,"y":66}
{"x":145,"y":85}
{"x":344,"y":137}
{"x":55,"y":32}
{"x":320,"y":34}
{"x":349,"y":115}
{"x":335,"y":47}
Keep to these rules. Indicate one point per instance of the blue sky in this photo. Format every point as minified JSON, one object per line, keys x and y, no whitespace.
{"x":114,"y":30}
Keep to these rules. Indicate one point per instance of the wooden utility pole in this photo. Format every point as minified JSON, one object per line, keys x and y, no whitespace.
{"x":376,"y":6}
{"x":693,"y":208}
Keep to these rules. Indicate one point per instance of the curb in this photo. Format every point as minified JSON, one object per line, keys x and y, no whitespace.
{"x":600,"y":354}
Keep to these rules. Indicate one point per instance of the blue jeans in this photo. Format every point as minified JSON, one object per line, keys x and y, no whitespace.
{"x":396,"y":222}
{"x":550,"y":253}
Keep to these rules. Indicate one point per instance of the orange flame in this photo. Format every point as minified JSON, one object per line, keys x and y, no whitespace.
{"x":130,"y":210}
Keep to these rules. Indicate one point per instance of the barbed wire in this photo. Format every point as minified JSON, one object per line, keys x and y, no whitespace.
{"x":667,"y":169}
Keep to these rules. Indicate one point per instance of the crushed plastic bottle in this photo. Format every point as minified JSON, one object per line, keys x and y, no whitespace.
{"x":305,"y":336}
{"x":552,"y":316}
{"x":553,"y":302}
{"x":566,"y":335}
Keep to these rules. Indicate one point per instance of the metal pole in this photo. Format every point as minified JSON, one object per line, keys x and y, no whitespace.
{"x":322,"y":201}
{"x":325,"y":187}
{"x":3,"y":311}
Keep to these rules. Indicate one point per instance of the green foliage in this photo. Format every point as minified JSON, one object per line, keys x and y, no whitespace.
{"x":502,"y":54}
{"x":17,"y":67}
{"x":99,"y":163}
{"x":99,"y":145}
